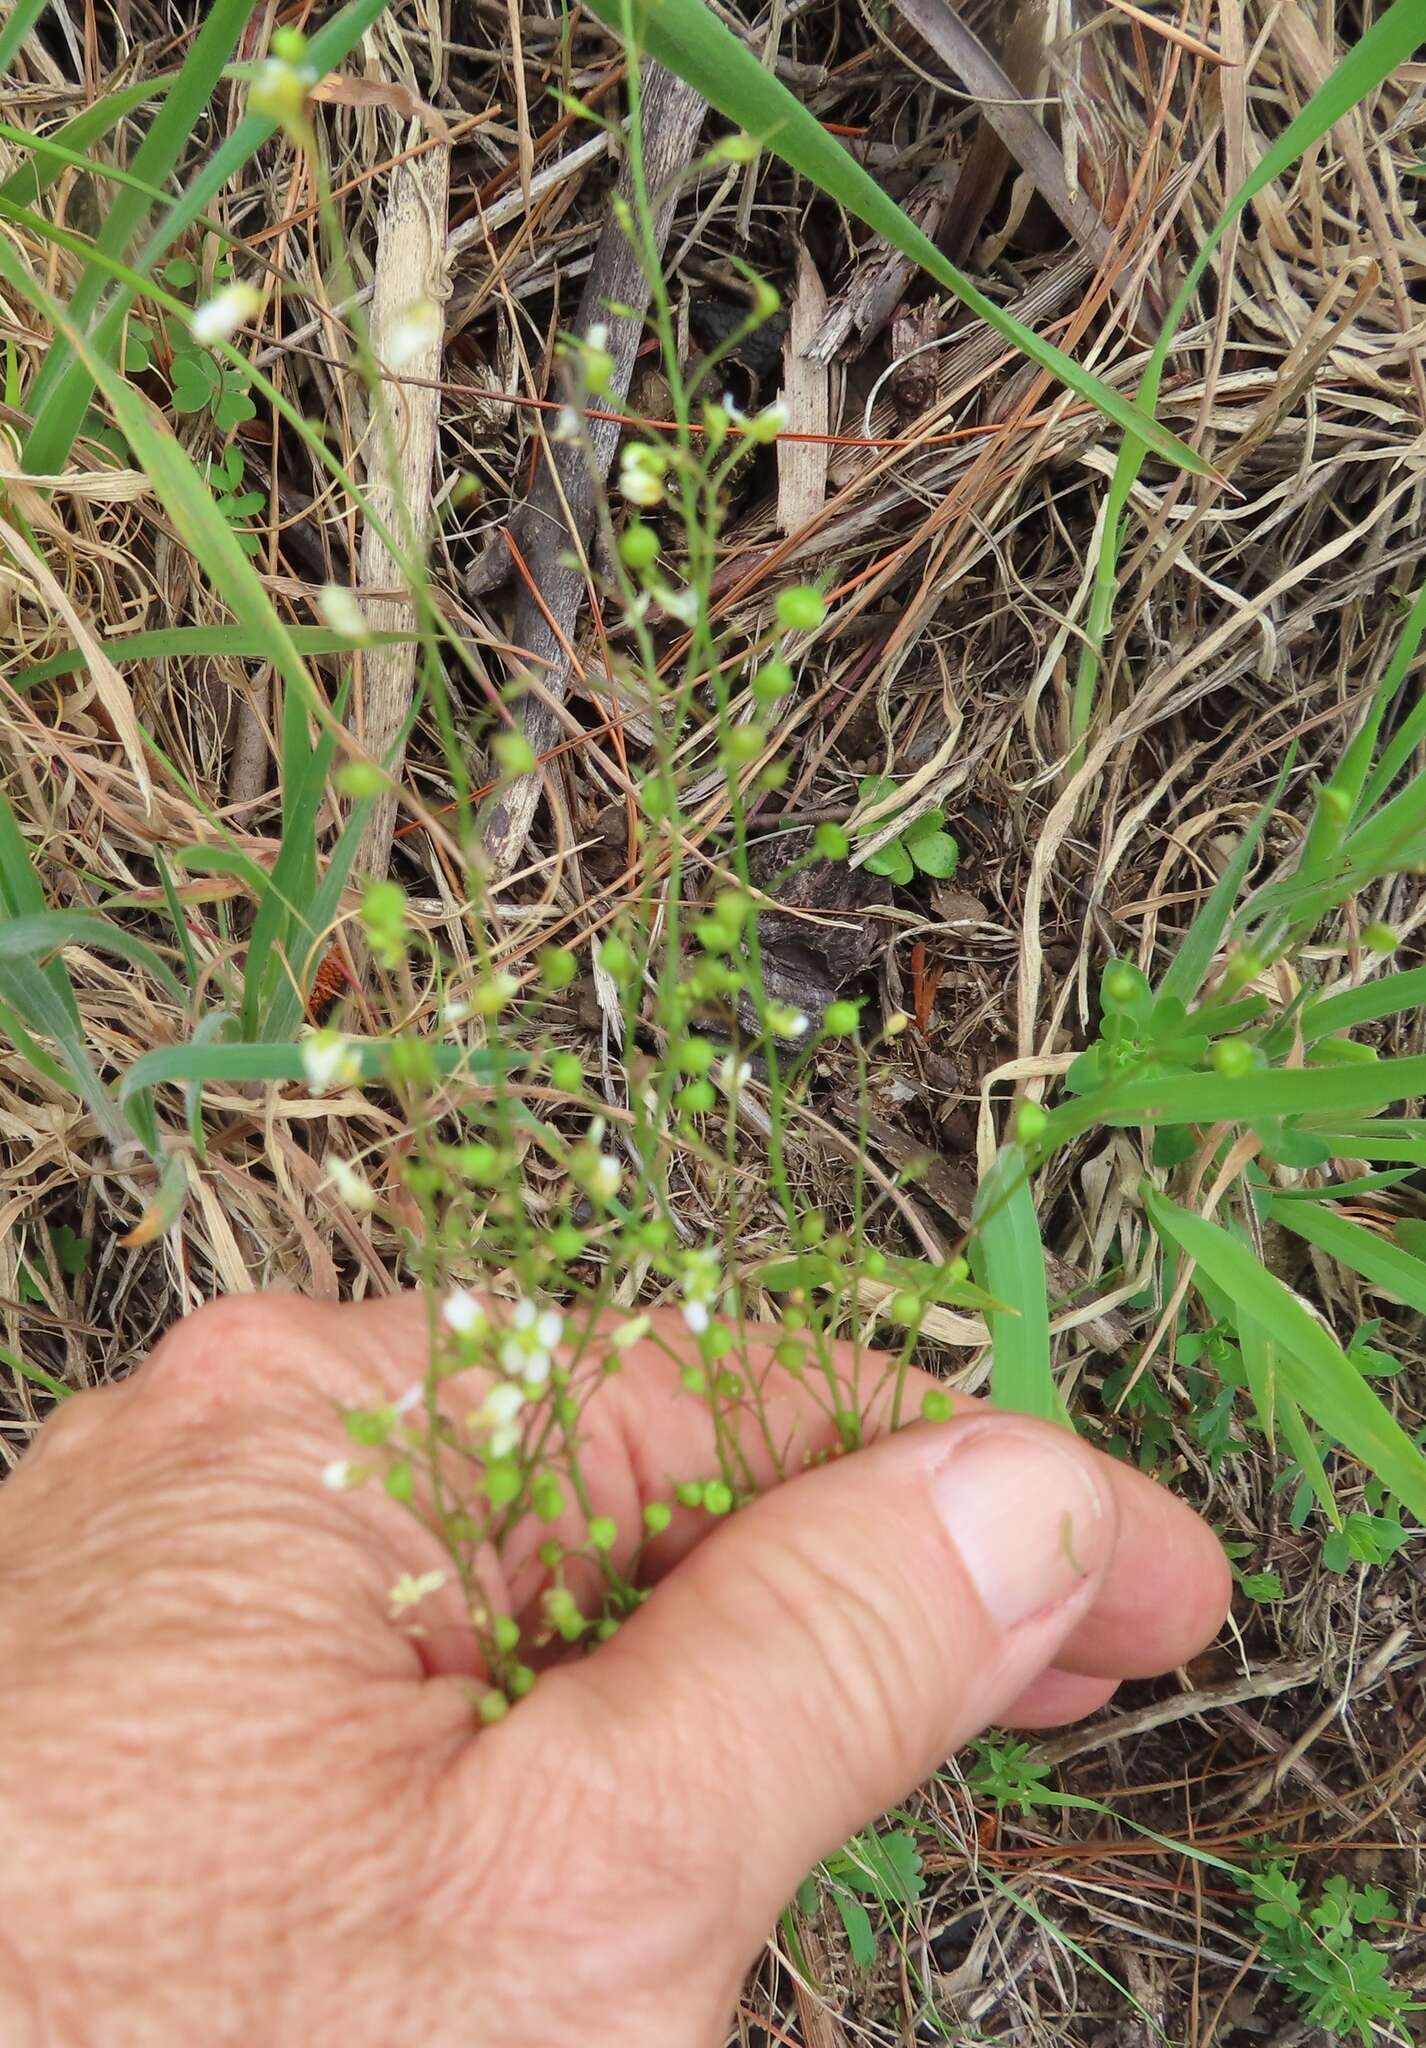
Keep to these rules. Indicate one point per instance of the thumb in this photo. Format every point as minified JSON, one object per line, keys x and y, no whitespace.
{"x":817,"y":1656}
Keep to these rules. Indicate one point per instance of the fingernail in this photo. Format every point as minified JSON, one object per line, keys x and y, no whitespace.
{"x":1027,"y":1518}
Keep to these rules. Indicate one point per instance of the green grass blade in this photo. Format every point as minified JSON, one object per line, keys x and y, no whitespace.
{"x":191,"y":643}
{"x":1316,"y":1372}
{"x":1174,"y":1098}
{"x":21,"y":895}
{"x":53,"y":156}
{"x":1303,"y":1445}
{"x":75,"y":140}
{"x":59,"y":398}
{"x":1009,"y":1263}
{"x":22,"y":19}
{"x":36,"y":1374}
{"x":1385,"y":997}
{"x":1412,"y":730}
{"x":25,"y":989}
{"x":176,"y":917}
{"x":209,"y":1030}
{"x":32,"y":1053}
{"x":269,"y":1062}
{"x":1260,"y":1367}
{"x":1387,"y":43}
{"x":68,"y":390}
{"x":45,"y":931}
{"x":1344,"y":1190}
{"x":1395,"y":1138}
{"x":1188,"y":970}
{"x":284,"y":1012}
{"x":689,"y":39}
{"x":1378,"y":1261}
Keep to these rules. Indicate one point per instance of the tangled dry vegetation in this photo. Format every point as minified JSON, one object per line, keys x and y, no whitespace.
{"x":946,"y":496}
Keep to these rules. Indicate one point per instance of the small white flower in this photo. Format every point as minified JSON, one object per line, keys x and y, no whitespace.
{"x":641,"y":473}
{"x":598,"y":335}
{"x":734,"y":1075}
{"x":604,"y":1178}
{"x":328,"y":1058}
{"x":413,"y":331}
{"x":536,"y":1368}
{"x":567,"y":425}
{"x":412,"y":1398}
{"x":798,"y":1024}
{"x":503,"y":1402}
{"x":524,"y":1314}
{"x":342,"y":613}
{"x":499,"y":1416}
{"x":766,"y":425}
{"x":408,"y":1592}
{"x":785,"y":1022}
{"x":549,"y":1328}
{"x":513,"y":1353}
{"x":463,"y":1315}
{"x":695,"y":1316}
{"x":353,"y":1187}
{"x":455,"y":1012}
{"x":339,"y":1474}
{"x":681,"y":605}
{"x":224,"y":313}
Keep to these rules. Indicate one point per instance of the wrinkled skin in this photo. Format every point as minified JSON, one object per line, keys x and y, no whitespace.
{"x":239,"y":1803}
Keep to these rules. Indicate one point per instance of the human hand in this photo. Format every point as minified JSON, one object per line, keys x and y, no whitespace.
{"x":242,"y":1804}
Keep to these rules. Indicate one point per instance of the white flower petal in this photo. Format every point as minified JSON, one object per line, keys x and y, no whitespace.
{"x":412,"y":332}
{"x":462,"y":1314}
{"x":224,"y":313}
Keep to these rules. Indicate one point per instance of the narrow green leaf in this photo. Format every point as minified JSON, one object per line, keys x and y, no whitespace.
{"x":1188,"y":970}
{"x":69,"y":390}
{"x":59,"y":399}
{"x":1009,"y":1262}
{"x":1174,"y":1098}
{"x":689,"y":39}
{"x":1260,"y":1365}
{"x":75,"y":140}
{"x":55,"y":156}
{"x":190,"y":643}
{"x":45,"y":931}
{"x":1315,"y":1371}
{"x":1386,"y":997}
{"x":23,"y":17}
{"x":1372,"y":1138}
{"x":22,"y":895}
{"x":1377,"y":1259}
{"x":1344,"y":1190}
{"x":36,"y":1374}
{"x":270,"y":1062}
{"x":1412,"y":730}
{"x":1303,"y":1445}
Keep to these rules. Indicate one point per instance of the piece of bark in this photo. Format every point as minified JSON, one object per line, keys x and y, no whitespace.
{"x":802,"y":465}
{"x":866,"y":302}
{"x":912,"y":382}
{"x":572,"y":475}
{"x":411,"y":274}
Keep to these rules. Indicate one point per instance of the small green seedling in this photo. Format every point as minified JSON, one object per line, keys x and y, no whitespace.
{"x":1321,"y":1957}
{"x":923,"y":848}
{"x":884,"y":1868}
